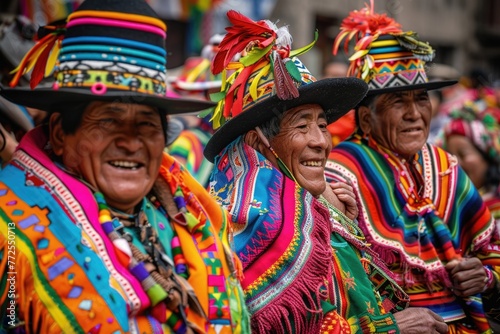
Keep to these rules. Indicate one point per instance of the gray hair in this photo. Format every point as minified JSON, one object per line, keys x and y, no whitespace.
{"x":272,"y":127}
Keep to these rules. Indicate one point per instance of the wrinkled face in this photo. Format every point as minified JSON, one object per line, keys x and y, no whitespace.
{"x":400,"y":121}
{"x":469,"y":157}
{"x":303,"y":144}
{"x":117,"y":149}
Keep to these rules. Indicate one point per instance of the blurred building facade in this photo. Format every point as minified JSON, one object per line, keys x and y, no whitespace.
{"x":465,"y":34}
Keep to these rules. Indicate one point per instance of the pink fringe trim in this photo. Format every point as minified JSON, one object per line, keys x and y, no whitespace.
{"x":290,"y":312}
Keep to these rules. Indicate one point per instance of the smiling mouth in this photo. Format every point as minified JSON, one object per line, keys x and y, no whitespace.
{"x":318,"y":163}
{"x":412,"y":130}
{"x":125,"y":164}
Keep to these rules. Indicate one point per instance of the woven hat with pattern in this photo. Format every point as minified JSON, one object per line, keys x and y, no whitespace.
{"x":107,"y":50}
{"x":385,"y":57}
{"x":267,"y":80}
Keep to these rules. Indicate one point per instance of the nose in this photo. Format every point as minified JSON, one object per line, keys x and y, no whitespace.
{"x":128,"y":138}
{"x":412,"y":111}
{"x":319,"y":138}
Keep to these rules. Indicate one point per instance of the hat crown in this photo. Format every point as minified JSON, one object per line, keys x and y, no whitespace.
{"x":266,"y":66}
{"x":385,"y":56}
{"x":104,"y":45}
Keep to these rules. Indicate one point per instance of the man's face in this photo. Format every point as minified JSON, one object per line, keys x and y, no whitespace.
{"x":118,"y":150}
{"x":303,"y":144}
{"x":400,"y":121}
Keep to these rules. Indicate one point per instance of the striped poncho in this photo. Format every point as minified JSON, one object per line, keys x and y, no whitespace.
{"x":305,"y":269}
{"x":419,"y":223}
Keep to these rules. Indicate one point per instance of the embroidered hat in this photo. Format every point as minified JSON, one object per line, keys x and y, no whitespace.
{"x":196,"y":76}
{"x":385,"y":57}
{"x":107,"y":50}
{"x":267,"y":80}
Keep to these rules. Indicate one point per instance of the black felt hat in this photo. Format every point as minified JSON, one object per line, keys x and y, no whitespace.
{"x":108,"y":50}
{"x":267,"y":80}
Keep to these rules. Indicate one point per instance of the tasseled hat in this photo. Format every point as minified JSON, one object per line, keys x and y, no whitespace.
{"x":106,"y":50}
{"x":196,"y":76}
{"x":385,"y":57}
{"x":267,"y":80}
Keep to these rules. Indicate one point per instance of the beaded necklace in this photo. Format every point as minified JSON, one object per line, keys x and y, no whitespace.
{"x":153,"y":270}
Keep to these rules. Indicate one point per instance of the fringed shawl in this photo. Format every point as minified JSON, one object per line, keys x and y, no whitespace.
{"x":282,"y":236}
{"x":416,"y":233}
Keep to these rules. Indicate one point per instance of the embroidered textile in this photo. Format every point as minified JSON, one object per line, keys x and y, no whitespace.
{"x":81,"y":282}
{"x":418,"y":215}
{"x":283,"y":236}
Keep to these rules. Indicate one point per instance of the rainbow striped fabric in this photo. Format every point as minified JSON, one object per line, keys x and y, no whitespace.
{"x":71,"y":278}
{"x":418,"y":232}
{"x":303,"y":270}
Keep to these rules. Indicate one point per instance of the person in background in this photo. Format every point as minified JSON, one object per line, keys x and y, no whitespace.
{"x":473,"y":136}
{"x":196,"y":81}
{"x":418,"y":209}
{"x":307,"y":267}
{"x":101,"y":231}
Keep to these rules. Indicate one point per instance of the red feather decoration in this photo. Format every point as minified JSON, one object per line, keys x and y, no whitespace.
{"x":39,"y":54}
{"x":363,"y":23}
{"x":243,"y":32}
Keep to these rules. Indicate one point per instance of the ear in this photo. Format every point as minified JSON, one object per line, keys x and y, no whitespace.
{"x":365,"y":116}
{"x":56,"y":134}
{"x":253,"y":140}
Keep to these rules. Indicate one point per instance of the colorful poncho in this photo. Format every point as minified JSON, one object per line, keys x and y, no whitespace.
{"x":69,"y":277}
{"x":302,"y":268}
{"x":418,"y":227}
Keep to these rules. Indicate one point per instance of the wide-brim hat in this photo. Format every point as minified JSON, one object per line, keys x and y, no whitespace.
{"x":266,"y":80}
{"x":385,"y":57}
{"x":108,"y":50}
{"x":335,"y":95}
{"x":52,"y":100}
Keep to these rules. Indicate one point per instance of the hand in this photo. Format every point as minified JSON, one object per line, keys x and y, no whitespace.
{"x":417,"y":320}
{"x":345,"y":194}
{"x":467,"y":276}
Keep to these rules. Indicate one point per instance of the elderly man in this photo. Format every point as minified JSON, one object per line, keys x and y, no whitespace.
{"x":418,"y":209}
{"x":100,"y":230}
{"x":307,"y":267}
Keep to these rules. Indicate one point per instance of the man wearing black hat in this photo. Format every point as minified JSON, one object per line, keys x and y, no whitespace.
{"x":100,"y":230}
{"x":418,"y":209}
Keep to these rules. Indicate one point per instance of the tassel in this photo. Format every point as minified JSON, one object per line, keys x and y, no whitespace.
{"x":284,"y":85}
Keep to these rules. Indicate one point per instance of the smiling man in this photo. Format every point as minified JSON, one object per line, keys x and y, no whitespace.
{"x":418,"y":209}
{"x":101,"y":231}
{"x":306,"y":266}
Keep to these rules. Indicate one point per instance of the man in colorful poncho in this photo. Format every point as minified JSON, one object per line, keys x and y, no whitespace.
{"x":307,"y":267}
{"x":100,"y":230}
{"x":418,"y":209}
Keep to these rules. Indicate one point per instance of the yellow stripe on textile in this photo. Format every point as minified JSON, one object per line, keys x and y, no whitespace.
{"x":377,"y":44}
{"x":52,"y":308}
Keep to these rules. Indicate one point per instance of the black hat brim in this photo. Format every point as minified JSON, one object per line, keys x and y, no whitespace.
{"x":335,"y":95}
{"x":52,"y":100}
{"x":428,"y":85}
